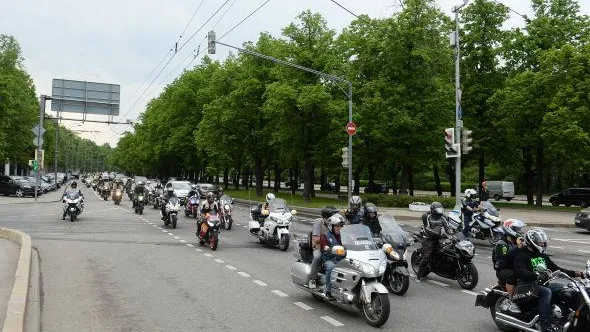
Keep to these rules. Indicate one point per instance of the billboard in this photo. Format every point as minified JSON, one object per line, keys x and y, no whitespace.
{"x":85,"y":97}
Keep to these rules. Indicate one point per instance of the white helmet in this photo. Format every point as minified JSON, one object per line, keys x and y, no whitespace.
{"x":270,"y":197}
{"x":336,"y":220}
{"x":355,"y":202}
{"x":470,"y":193}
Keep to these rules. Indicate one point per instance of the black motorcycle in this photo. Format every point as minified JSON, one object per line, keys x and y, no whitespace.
{"x":451,"y":259}
{"x":396,"y":277}
{"x":570,"y":305}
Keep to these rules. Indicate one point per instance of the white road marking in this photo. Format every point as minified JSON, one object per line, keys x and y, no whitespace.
{"x":260,"y":283}
{"x":469,"y":292}
{"x":573,"y":241}
{"x":584,"y":251}
{"x":183,"y":241}
{"x":412,"y":275}
{"x":154,"y":225}
{"x":164,"y":231}
{"x":176,"y":237}
{"x":208,"y":255}
{"x":331,"y":321}
{"x":198,"y":250}
{"x":244,"y":274}
{"x":190,"y":245}
{"x":170,"y":234}
{"x":238,"y":224}
{"x":230,"y":267}
{"x":279,"y":293}
{"x":438,"y":283}
{"x":220,"y":261}
{"x":245,"y":226}
{"x":302,"y":305}
{"x":556,"y":247}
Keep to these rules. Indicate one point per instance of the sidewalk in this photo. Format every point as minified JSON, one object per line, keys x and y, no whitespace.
{"x":9,"y":252}
{"x":50,"y":197}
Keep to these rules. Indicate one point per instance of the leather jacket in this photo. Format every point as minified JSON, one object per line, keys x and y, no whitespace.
{"x":436,"y":227}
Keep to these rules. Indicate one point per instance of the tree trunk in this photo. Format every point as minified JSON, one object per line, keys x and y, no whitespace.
{"x":225,"y":178}
{"x":356,"y":175}
{"x":291,"y":181}
{"x":528,"y":174}
{"x":308,"y":178}
{"x":411,"y":179}
{"x":482,"y":176}
{"x":371,"y":170}
{"x":394,"y":172}
{"x":277,"y":185}
{"x":259,"y":174}
{"x":269,"y":176}
{"x":323,"y":177}
{"x":451,"y":175}
{"x":539,"y":172}
{"x":403,"y":186}
{"x":437,"y":180}
{"x":246,"y":178}
{"x":238,"y":171}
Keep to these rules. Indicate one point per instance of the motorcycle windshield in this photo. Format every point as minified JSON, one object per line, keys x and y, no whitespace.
{"x":225,"y":199}
{"x":357,"y":238}
{"x":72,"y":194}
{"x":391,"y":231}
{"x":278,"y":205}
{"x":212,"y":215}
{"x":490,"y":208}
{"x":174,"y":200}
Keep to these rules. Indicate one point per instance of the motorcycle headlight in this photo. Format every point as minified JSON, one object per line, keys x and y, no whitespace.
{"x":210,"y":223}
{"x":467,"y":247}
{"x":382,"y":267}
{"x":226,"y":207}
{"x":177,"y":206}
{"x":365,"y":267}
{"x":395,"y":255}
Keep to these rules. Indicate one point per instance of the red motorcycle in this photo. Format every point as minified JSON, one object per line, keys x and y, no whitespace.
{"x":208,"y":230}
{"x":191,"y":207}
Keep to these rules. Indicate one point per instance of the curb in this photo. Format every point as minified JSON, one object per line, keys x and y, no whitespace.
{"x":17,"y":303}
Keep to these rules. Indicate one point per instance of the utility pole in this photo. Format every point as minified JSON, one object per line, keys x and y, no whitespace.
{"x":458,"y":115}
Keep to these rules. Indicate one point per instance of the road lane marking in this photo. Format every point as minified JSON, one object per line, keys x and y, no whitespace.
{"x":438,"y":283}
{"x":331,"y":321}
{"x":572,"y":241}
{"x":170,"y":234}
{"x":469,"y":292}
{"x":556,"y":247}
{"x":154,"y":225}
{"x":198,"y":250}
{"x":245,"y":226}
{"x":244,"y":274}
{"x":260,"y":283}
{"x":220,"y":261}
{"x":183,"y":241}
{"x":176,"y":237}
{"x":584,"y":251}
{"x":279,"y":293}
{"x":190,"y":245}
{"x":302,"y":305}
{"x":208,"y":255}
{"x":230,"y":267}
{"x":164,"y":231}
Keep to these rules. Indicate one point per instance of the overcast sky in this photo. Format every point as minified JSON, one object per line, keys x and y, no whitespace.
{"x":122,"y":41}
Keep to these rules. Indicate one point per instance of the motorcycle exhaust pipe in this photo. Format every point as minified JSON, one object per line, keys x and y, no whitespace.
{"x":517,"y":323}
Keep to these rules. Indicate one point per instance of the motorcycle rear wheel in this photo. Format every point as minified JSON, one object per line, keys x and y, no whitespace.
{"x":415,"y":261}
{"x":376,"y":312}
{"x":500,"y":325}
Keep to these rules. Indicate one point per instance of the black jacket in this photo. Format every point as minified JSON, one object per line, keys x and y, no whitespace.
{"x":525,"y":261}
{"x":434,"y":228}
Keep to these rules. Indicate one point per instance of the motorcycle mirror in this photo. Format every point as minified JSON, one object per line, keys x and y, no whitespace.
{"x":293,"y":212}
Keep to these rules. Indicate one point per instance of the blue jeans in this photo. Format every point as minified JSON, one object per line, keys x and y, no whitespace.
{"x":329,"y":267}
{"x":467,"y":219}
{"x":544,"y":305}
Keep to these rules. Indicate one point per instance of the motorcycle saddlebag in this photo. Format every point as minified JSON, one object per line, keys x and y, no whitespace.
{"x":305,"y":249}
{"x":300,"y":273}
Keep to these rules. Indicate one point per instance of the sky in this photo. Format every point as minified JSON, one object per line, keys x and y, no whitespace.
{"x":124,"y":41}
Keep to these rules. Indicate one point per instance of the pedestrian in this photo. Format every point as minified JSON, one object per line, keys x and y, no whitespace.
{"x":484,"y":194}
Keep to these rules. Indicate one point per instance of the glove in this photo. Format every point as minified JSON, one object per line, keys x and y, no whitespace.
{"x":544,"y":275}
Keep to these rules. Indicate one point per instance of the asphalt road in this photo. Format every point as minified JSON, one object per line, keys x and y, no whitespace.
{"x":113,"y":270}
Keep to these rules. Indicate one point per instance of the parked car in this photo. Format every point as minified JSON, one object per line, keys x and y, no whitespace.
{"x":16,"y":187}
{"x":501,"y":190}
{"x":329,"y":186}
{"x":571,"y":196}
{"x":582,"y":219}
{"x":377,"y":189}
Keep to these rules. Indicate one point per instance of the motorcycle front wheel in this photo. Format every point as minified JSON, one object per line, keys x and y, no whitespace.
{"x":376,"y":312}
{"x":468,"y":276}
{"x":229,"y":222}
{"x":72,"y":218}
{"x":174,"y":221}
{"x":396,"y":283}
{"x":213,"y":241}
{"x":284,"y":242}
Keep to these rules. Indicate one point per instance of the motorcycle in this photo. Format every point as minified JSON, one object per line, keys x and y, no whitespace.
{"x":396,"y":277}
{"x":451,"y":259}
{"x":158,"y":199}
{"x":139,"y":203}
{"x":104,"y":193}
{"x":570,"y":304}
{"x":172,"y":208}
{"x":192,"y":206}
{"x":208,"y":229}
{"x":225,"y":203}
{"x":275,"y":227}
{"x":356,"y":279}
{"x":117,"y":196}
{"x":486,"y":224}
{"x":72,"y":204}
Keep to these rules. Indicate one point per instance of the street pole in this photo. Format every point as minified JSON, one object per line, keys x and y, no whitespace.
{"x":458,"y":121}
{"x":349,"y":142}
{"x":55,"y":154}
{"x":42,"y":100}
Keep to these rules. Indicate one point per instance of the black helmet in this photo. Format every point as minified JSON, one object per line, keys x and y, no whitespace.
{"x":436,"y":209}
{"x":370,"y":208}
{"x":329,"y":211}
{"x":536,"y":239}
{"x":74,"y":184}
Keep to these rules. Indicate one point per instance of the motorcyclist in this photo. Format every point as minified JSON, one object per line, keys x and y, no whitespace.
{"x":320,"y":227}
{"x":468,"y":208}
{"x":264,"y":209}
{"x":503,"y":254}
{"x":435,"y":227}
{"x":526,"y":262}
{"x":354,"y":214}
{"x":138,"y":190}
{"x":194,"y":191}
{"x":209,"y":205}
{"x":169,"y":193}
{"x":329,"y":240}
{"x":73,"y":189}
{"x":371,"y":219}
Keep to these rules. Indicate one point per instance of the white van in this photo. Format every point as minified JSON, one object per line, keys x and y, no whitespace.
{"x":501,"y":190}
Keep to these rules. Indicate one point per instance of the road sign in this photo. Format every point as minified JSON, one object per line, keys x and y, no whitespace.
{"x":351,"y":128}
{"x":85,"y":97}
{"x":40,"y":141}
{"x":35,"y":131}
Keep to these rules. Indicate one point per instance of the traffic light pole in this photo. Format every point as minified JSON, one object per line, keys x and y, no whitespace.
{"x":42,"y":100}
{"x":458,"y":121}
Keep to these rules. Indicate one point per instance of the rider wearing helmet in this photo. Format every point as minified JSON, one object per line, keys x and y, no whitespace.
{"x":328,"y":241}
{"x":469,"y":206}
{"x":504,"y":251}
{"x":354,"y":214}
{"x":194,"y":191}
{"x":73,"y":188}
{"x":320,"y":226}
{"x":371,"y":219}
{"x":168,"y":193}
{"x":526,"y":262}
{"x":209,"y":205}
{"x":264,"y":208}
{"x":138,"y":190}
{"x":435,"y":227}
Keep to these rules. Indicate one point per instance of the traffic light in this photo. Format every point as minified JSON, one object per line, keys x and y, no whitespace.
{"x":211,"y":42}
{"x":451,"y":148}
{"x":466,"y":141}
{"x":345,"y":157}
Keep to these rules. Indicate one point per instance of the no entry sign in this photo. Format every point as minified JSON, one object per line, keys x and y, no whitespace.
{"x":351,"y":128}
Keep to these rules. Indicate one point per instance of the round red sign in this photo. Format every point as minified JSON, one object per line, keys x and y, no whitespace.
{"x":351,"y":128}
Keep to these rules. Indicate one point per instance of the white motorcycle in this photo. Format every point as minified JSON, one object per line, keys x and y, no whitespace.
{"x":72,"y":204}
{"x":172,"y":208}
{"x":486,"y":223}
{"x":274,"y":228}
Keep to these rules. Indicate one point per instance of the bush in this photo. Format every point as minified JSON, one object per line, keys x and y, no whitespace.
{"x":404,"y":200}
